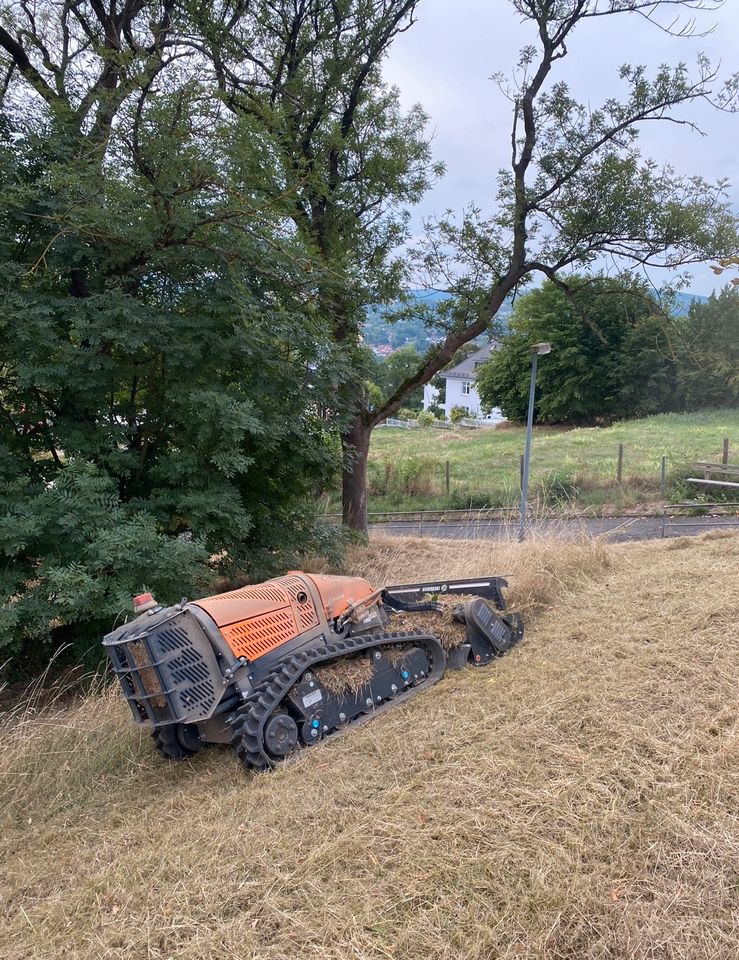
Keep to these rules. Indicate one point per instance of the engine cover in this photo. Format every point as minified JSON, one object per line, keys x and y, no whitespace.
{"x":255,"y":620}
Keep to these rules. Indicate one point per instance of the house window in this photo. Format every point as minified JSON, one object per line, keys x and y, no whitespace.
{"x":478,"y":363}
{"x":466,"y":387}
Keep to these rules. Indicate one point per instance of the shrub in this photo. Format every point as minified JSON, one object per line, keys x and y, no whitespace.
{"x":558,"y":489}
{"x":405,"y":413}
{"x":458,"y":413}
{"x":74,"y":555}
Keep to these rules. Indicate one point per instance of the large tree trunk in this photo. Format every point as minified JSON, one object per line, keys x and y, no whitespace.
{"x":355,"y":441}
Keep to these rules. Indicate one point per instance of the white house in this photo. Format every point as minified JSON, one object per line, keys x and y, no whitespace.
{"x":460,"y":387}
{"x":430,"y":396}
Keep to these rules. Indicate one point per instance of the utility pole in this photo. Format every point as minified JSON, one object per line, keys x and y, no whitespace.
{"x":538,"y":350}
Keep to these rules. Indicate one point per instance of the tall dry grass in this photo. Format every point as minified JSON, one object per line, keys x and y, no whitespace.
{"x":53,"y":755}
{"x":539,"y":571}
{"x":577,"y":800}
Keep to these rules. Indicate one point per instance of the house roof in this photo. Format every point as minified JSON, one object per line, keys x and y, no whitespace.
{"x":466,"y":369}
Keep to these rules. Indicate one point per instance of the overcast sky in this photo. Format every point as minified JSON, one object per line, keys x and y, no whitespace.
{"x":445,"y":61}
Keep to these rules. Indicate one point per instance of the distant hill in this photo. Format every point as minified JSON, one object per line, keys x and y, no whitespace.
{"x":401,"y":333}
{"x":683,"y":302}
{"x":413,"y":331}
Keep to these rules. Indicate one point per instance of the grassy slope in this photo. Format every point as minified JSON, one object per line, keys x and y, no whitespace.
{"x":485,"y":464}
{"x":577,"y":800}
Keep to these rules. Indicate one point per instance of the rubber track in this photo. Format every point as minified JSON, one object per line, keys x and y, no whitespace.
{"x":248,"y":726}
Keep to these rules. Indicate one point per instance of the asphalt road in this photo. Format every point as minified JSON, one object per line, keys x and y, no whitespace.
{"x":614,"y":529}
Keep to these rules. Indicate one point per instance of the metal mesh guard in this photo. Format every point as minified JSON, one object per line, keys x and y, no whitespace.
{"x":169,"y":674}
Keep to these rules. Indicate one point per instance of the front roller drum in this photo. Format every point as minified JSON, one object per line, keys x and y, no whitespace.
{"x":489,"y":634}
{"x":177,"y":741}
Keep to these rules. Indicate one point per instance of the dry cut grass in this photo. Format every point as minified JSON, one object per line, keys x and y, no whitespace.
{"x":577,"y":800}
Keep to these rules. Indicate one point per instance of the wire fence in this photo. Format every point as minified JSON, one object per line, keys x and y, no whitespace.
{"x":571,"y":474}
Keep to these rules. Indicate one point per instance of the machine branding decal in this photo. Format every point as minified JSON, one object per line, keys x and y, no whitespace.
{"x":312,"y":698}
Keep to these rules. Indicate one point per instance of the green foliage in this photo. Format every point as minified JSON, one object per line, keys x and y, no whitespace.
{"x":405,"y":413}
{"x":425,"y":418}
{"x":708,"y":368}
{"x":610,"y":354}
{"x":394,"y":369}
{"x":405,"y":476}
{"x":579,"y":191}
{"x":374,"y":395}
{"x":458,"y":413}
{"x":74,"y":554}
{"x":162,"y":383}
{"x":345,"y":158}
{"x":576,"y":466}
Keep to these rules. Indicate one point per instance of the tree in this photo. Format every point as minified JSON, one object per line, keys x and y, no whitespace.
{"x":577,"y":190}
{"x":304,"y":77}
{"x":708,"y":348}
{"x":160,"y":396}
{"x":620,"y":364}
{"x":394,"y":369}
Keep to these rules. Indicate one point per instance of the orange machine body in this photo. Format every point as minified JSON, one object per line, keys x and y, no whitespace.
{"x":256,"y":620}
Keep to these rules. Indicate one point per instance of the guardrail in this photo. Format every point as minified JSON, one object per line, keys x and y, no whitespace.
{"x":434,"y":516}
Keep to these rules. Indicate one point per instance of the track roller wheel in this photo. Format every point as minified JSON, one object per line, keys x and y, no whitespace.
{"x":280,"y":735}
{"x":177,"y":741}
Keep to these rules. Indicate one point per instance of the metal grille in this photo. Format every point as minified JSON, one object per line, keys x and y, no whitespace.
{"x":263,"y":592}
{"x":185,"y":670}
{"x":168,"y":674}
{"x":254,"y":637}
{"x":307,"y":615}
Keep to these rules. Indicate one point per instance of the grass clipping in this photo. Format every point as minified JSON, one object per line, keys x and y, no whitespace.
{"x":438,"y":623}
{"x":575,"y":800}
{"x":350,"y":674}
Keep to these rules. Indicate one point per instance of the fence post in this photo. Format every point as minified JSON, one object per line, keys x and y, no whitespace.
{"x":620,"y":467}
{"x":726,"y":451}
{"x":663,"y":489}
{"x":447,"y":474}
{"x":520,"y":472}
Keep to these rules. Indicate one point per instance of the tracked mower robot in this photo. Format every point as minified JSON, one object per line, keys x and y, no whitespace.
{"x":257,"y":667}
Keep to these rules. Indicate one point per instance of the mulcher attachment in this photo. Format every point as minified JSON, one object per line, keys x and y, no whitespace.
{"x":488,"y":634}
{"x":491,"y":631}
{"x":490,"y":588}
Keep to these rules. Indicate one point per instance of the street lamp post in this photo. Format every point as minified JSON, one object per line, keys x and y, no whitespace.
{"x":538,"y":350}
